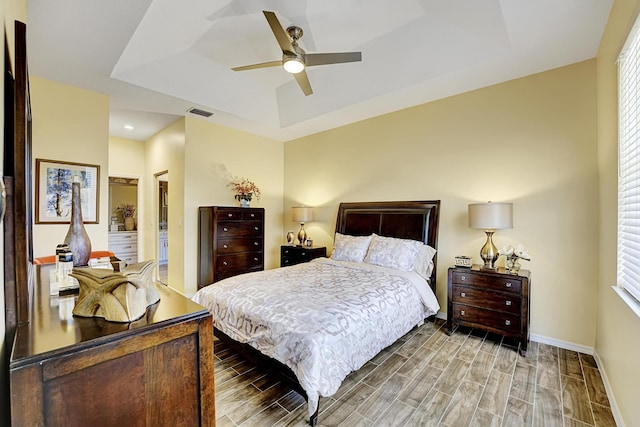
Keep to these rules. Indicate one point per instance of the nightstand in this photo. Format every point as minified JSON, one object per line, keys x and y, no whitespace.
{"x":493,"y":300}
{"x":291,"y":255}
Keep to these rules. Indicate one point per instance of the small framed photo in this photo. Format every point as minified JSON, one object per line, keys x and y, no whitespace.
{"x":309,"y":243}
{"x":53,"y":191}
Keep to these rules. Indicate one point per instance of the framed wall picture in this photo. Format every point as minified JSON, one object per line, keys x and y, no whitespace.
{"x":53,"y":191}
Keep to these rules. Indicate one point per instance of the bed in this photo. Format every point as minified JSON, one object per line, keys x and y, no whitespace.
{"x":314,"y":323}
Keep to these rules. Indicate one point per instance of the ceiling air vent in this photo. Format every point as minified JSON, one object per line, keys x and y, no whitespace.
{"x":200,"y":112}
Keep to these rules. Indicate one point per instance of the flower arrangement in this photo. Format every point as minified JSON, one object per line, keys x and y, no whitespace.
{"x":244,"y":189}
{"x":128,"y":210}
{"x":513,"y":255}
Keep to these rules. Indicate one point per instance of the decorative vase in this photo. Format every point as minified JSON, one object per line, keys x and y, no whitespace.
{"x":245,"y":203}
{"x":129,"y":223}
{"x":77,"y":237}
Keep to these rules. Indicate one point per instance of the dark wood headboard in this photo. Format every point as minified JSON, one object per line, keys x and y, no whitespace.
{"x":404,"y":220}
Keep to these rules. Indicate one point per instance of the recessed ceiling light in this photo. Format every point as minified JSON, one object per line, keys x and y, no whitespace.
{"x":128,"y":127}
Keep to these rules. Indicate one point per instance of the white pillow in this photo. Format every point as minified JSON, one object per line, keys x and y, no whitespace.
{"x":350,"y":248}
{"x":423,"y":264}
{"x":395,"y":253}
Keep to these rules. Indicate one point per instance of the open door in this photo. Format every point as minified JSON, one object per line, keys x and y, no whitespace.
{"x":162,"y":228}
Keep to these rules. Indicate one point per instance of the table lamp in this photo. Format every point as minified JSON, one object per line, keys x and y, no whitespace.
{"x":490,"y":217}
{"x":302,"y":214}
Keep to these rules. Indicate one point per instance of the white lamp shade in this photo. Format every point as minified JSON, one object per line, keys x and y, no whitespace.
{"x":491,"y":216}
{"x":302,"y":214}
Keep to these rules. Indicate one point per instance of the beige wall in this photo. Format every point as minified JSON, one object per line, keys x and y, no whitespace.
{"x":72,"y":125}
{"x":165,"y":151}
{"x":617,"y":344}
{"x":531,"y":141}
{"x":212,"y":154}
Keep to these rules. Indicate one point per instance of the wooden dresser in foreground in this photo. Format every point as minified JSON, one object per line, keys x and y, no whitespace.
{"x":230,"y":242}
{"x":492,"y":300}
{"x":156,"y":371}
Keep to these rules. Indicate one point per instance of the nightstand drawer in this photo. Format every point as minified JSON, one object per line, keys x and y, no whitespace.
{"x":292,"y":255}
{"x":504,"y":321}
{"x":502,"y":283}
{"x":486,"y":299}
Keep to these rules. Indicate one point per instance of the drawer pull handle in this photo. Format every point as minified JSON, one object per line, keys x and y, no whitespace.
{"x":126,"y":247}
{"x":508,"y":284}
{"x":225,"y":229}
{"x":224,"y":263}
{"x":507,"y":322}
{"x":461,"y":312}
{"x":253,"y":215}
{"x":256,"y":244}
{"x":463,"y":294}
{"x":463,"y":277}
{"x":225,"y":246}
{"x":303,"y":254}
{"x":286,"y":252}
{"x":257,"y":228}
{"x":508,"y":302}
{"x":128,"y":237}
{"x":256,"y":259}
{"x":230,"y":215}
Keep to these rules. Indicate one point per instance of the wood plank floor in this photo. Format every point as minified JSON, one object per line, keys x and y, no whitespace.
{"x":428,"y":378}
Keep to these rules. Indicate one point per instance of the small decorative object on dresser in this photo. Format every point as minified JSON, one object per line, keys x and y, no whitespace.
{"x":302,"y":214}
{"x":290,"y":237}
{"x":493,"y":300}
{"x":463,"y":261}
{"x":77,"y":238}
{"x":291,"y":255}
{"x":513,"y":255}
{"x":245,"y":190}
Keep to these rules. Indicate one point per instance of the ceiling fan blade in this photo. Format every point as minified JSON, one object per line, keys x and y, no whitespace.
{"x":261,"y":65}
{"x":303,"y":82}
{"x":278,"y":31}
{"x":312,"y":59}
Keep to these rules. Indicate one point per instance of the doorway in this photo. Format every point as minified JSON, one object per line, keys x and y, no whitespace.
{"x":162,"y":228}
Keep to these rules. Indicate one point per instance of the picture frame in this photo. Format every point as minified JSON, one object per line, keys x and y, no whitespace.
{"x":53,"y":191}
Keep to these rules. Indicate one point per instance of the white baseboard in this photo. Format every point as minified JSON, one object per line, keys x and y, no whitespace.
{"x":607,"y":386}
{"x":562,"y":344}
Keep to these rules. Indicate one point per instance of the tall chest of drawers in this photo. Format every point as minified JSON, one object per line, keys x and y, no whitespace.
{"x":492,"y":300}
{"x":231,"y":242}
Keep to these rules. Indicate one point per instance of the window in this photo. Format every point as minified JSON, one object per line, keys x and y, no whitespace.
{"x":629,"y":166}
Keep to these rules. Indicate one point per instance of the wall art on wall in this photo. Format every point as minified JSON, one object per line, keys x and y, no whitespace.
{"x":53,"y":191}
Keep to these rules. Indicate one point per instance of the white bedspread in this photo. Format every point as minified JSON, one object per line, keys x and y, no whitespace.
{"x":323,"y":319}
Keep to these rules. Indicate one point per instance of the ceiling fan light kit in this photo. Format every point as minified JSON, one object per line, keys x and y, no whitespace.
{"x":294,"y":59}
{"x":293,"y":65}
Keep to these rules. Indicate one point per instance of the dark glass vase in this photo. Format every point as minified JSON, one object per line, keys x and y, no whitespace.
{"x":77,"y":237}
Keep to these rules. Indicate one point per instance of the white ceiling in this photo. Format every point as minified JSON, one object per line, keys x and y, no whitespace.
{"x":158,"y":58}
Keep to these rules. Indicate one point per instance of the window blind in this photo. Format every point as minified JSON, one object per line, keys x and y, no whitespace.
{"x":628,"y":268}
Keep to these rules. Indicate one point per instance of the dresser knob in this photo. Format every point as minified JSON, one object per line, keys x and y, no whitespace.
{"x":253,"y":215}
{"x":257,"y":228}
{"x":230,"y":215}
{"x":507,"y":302}
{"x":507,"y":322}
{"x":461,"y":312}
{"x":303,"y":254}
{"x":462,"y":277}
{"x":256,"y":259}
{"x":126,"y":247}
{"x":508,"y":284}
{"x":225,"y":229}
{"x":224,"y":263}
{"x":128,"y":237}
{"x":225,"y":246}
{"x":256,"y":244}
{"x":463,"y":294}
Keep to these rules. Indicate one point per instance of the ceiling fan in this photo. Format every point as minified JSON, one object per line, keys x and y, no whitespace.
{"x":294,"y":58}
